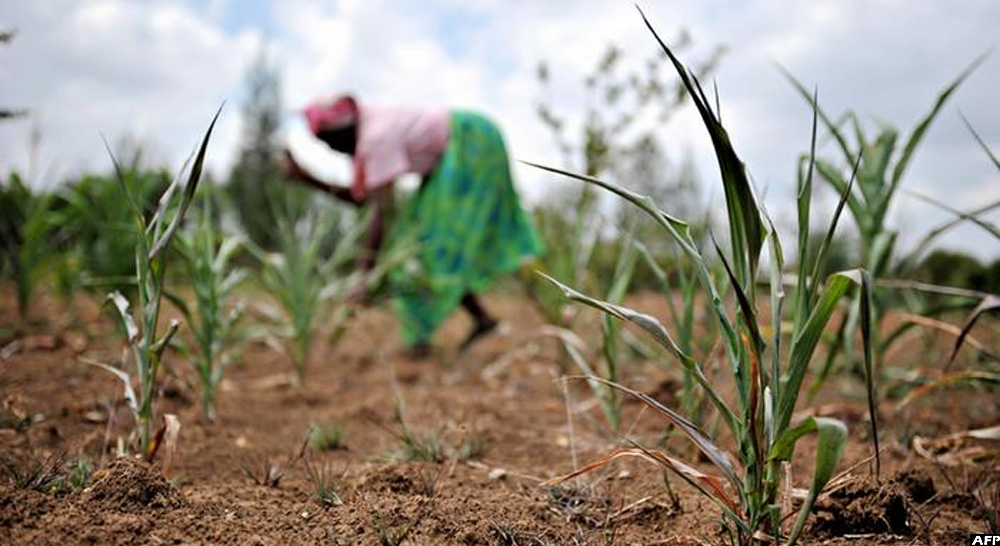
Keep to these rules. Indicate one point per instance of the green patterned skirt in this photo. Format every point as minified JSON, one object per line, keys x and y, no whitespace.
{"x":469,"y":227}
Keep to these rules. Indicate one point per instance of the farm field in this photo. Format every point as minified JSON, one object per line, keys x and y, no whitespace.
{"x":501,"y":403}
{"x":340,"y":322}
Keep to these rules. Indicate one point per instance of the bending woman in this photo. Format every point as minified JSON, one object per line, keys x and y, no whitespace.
{"x":466,"y":215}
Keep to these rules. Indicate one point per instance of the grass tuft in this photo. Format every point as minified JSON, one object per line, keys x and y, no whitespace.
{"x":54,"y":474}
{"x":265,"y":473}
{"x":324,"y":484}
{"x":326,"y":437}
{"x":471,"y":448}
{"x":43,"y":475}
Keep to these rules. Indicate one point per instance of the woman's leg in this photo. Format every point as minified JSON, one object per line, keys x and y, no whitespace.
{"x":484,"y":323}
{"x":471,"y":304}
{"x":471,"y":229}
{"x":418,"y":351}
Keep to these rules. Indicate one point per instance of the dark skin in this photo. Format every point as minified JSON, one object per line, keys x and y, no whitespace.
{"x":344,"y":140}
{"x":380,"y":200}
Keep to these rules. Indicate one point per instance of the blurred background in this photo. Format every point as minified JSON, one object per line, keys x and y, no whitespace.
{"x":559,"y":76}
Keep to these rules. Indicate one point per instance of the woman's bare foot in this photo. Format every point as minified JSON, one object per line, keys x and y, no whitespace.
{"x":417,"y":351}
{"x":481,"y":329}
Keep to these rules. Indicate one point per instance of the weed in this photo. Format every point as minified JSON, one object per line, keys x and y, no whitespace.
{"x":269,"y":473}
{"x":427,"y":481}
{"x":324,"y":484}
{"x":419,"y":448}
{"x":987,"y":495}
{"x":325,"y":438}
{"x":16,"y":421}
{"x":53,"y":474}
{"x":80,"y":475}
{"x":389,"y":535}
{"x":266,"y":473}
{"x":414,"y":447}
{"x":43,"y":475}
{"x":579,"y":503}
{"x":510,"y":535}
{"x":471,"y":448}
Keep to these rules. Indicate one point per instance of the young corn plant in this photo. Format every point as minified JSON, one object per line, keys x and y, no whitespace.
{"x":153,"y":239}
{"x":307,"y":279}
{"x":879,"y":181}
{"x":571,"y":241}
{"x":611,"y":334}
{"x":683,"y":317}
{"x":303,"y":281}
{"x":25,"y":237}
{"x":767,"y":377}
{"x":215,"y":321}
{"x":609,"y":352}
{"x":96,"y":232}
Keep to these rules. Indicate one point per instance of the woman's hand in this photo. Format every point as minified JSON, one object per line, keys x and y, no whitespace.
{"x":358,"y":295}
{"x":290,"y":168}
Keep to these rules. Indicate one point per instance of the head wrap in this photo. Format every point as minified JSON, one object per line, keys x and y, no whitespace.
{"x":331,"y":114}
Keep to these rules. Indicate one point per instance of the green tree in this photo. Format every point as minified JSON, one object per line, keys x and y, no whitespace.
{"x":618,"y":101}
{"x":617,"y":140}
{"x":91,"y":226}
{"x":950,"y":268}
{"x":255,"y":187}
{"x":25,"y":237}
{"x":6,"y":36}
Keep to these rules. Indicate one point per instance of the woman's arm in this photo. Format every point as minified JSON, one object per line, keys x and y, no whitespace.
{"x":381,"y":200}
{"x":291,"y":169}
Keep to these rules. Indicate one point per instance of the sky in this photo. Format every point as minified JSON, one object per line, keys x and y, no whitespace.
{"x":156,"y":70}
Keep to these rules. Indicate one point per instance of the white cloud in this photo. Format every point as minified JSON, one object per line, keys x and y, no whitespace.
{"x":157,"y":69}
{"x":153,"y":71}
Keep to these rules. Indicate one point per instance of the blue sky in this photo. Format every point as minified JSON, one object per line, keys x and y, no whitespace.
{"x":155,"y":70}
{"x":236,"y":17}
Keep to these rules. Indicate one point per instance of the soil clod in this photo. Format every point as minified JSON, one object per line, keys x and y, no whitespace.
{"x":864,"y":506}
{"x":130,"y":485}
{"x":917,"y":484}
